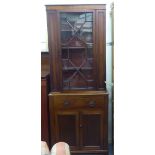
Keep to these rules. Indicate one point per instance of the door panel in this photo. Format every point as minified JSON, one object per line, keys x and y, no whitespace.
{"x":67,"y":128}
{"x":77,"y":48}
{"x":91,"y":125}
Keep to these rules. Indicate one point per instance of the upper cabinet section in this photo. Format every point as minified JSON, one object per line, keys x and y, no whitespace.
{"x":77,"y":50}
{"x":76,"y":37}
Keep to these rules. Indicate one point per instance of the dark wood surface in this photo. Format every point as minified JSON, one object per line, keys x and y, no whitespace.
{"x":54,"y":49}
{"x":76,"y":7}
{"x":45,"y":110}
{"x":45,"y":64}
{"x":99,"y":40}
{"x":101,"y":47}
{"x":80,"y":119}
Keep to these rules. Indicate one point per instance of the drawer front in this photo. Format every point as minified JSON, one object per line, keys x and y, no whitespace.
{"x":65,"y":102}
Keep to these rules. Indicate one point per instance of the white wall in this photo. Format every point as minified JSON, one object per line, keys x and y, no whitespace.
{"x":109,"y":68}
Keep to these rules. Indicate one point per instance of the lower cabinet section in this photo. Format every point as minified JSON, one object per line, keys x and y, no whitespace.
{"x":81,"y":120}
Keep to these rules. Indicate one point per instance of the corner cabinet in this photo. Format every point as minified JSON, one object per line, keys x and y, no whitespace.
{"x":78,"y":99}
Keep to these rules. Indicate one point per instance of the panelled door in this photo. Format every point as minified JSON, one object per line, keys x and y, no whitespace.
{"x":67,"y":128}
{"x":91,"y":129}
{"x":81,"y":130}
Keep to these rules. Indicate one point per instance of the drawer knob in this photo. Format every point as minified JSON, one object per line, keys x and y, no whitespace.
{"x":66,"y":103}
{"x":92,"y":104}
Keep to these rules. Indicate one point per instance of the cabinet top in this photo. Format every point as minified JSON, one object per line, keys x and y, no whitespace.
{"x":76,"y":7}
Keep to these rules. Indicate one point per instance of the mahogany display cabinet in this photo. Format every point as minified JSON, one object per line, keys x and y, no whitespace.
{"x":78,"y":100}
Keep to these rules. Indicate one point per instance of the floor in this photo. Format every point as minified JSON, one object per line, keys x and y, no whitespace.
{"x":111,"y":148}
{"x":111,"y":152}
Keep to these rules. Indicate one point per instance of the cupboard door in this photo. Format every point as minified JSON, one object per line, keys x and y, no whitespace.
{"x":67,"y":128}
{"x":91,"y":129}
{"x":77,"y":50}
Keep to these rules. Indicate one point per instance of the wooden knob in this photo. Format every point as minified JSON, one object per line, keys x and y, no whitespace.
{"x":92,"y":104}
{"x":66,"y":103}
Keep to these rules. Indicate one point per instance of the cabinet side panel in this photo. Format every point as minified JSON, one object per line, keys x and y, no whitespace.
{"x":101,"y":47}
{"x":105,"y":133}
{"x":52,"y":120}
{"x":53,"y":44}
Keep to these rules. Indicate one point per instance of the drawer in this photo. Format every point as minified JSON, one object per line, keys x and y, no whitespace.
{"x":97,"y":101}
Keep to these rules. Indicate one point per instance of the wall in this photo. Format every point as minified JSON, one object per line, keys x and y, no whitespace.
{"x":109,"y":67}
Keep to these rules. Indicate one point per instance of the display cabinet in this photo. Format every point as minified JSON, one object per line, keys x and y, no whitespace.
{"x":78,"y":100}
{"x":77,"y":47}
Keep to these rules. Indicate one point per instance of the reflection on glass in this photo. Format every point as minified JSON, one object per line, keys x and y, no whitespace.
{"x":77,"y":50}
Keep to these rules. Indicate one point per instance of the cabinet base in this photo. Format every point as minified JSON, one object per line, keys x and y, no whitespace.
{"x":90,"y":152}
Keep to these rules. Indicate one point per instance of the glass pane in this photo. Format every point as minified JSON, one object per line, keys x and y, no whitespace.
{"x":77,"y":50}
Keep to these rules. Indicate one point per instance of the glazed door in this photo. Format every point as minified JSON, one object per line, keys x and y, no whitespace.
{"x":77,"y":50}
{"x":91,"y":130}
{"x":67,"y":129}
{"x":77,"y":46}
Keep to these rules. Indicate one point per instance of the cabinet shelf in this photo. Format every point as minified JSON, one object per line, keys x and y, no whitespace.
{"x":77,"y":68}
{"x":89,"y":31}
{"x":67,"y":59}
{"x":66,"y":81}
{"x":77,"y":47}
{"x":74,"y":47}
{"x":78,"y":88}
{"x":66,"y":30}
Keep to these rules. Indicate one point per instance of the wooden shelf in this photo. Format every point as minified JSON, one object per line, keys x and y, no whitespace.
{"x":66,"y":81}
{"x":67,"y":59}
{"x":76,"y":47}
{"x":66,"y":30}
{"x":87,"y":30}
{"x":78,"y":88}
{"x":77,"y":68}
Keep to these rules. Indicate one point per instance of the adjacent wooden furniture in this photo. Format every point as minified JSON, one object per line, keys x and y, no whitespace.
{"x":45,"y":135}
{"x":78,"y":99}
{"x":45,"y":64}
